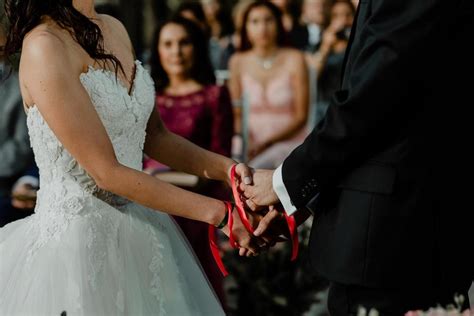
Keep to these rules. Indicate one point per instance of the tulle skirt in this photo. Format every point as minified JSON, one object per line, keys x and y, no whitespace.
{"x":98,"y":259}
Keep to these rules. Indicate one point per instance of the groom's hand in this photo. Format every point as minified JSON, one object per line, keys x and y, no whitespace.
{"x":261,"y":193}
{"x":249,"y":244}
{"x":274,"y":222}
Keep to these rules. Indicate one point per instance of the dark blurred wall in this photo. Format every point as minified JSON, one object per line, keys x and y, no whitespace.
{"x":132,"y":15}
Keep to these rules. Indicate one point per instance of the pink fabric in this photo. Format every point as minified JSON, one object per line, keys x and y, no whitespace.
{"x":271,"y":106}
{"x":272,"y":109}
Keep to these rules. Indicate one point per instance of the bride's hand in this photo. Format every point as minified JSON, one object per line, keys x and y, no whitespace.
{"x":249,"y":244}
{"x":244,"y":174}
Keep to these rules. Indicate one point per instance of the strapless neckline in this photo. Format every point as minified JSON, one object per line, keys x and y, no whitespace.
{"x":110,"y":75}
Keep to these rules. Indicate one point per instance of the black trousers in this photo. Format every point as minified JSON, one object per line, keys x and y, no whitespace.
{"x":346,"y":300}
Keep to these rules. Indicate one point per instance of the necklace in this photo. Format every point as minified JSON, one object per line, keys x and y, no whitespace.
{"x":266,"y":62}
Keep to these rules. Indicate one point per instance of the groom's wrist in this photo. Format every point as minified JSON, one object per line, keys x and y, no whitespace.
{"x":281,"y":192}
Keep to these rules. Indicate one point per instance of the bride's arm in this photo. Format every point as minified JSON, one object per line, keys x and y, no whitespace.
{"x":180,"y":154}
{"x":50,"y":79}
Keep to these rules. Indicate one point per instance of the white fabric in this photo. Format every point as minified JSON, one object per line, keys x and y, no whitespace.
{"x":281,"y":192}
{"x":89,"y":252}
{"x":33,"y":181}
{"x":314,"y":34}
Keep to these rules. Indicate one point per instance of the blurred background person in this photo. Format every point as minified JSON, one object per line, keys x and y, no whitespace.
{"x":16,"y":156}
{"x":273,"y":81}
{"x":328,"y":60}
{"x":355,"y":3}
{"x":221,"y":29}
{"x":237,"y":16}
{"x":193,"y":106}
{"x":193,"y":10}
{"x":297,"y":35}
{"x":315,"y":18}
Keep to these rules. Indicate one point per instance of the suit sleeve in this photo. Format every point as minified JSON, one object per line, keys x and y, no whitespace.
{"x":386,"y":64}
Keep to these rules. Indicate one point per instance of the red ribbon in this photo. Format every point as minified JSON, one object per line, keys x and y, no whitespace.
{"x":213,"y":240}
{"x":239,"y":203}
{"x":243,"y":216}
{"x":294,"y":235}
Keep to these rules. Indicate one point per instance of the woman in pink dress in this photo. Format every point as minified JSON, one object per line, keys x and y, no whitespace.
{"x":194,"y":107}
{"x":273,"y":81}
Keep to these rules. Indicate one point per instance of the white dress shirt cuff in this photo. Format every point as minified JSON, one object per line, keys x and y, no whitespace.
{"x":281,"y":192}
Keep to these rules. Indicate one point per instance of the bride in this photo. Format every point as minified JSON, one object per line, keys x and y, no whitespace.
{"x":96,"y":245}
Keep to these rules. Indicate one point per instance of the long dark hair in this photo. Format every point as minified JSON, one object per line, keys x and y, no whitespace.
{"x":281,"y":39}
{"x":201,"y":71}
{"x":25,"y":15}
{"x":196,"y":9}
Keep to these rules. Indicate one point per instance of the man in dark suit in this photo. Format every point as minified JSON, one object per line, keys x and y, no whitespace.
{"x":384,"y":173}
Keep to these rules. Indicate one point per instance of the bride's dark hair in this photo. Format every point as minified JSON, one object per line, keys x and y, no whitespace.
{"x":24,"y":15}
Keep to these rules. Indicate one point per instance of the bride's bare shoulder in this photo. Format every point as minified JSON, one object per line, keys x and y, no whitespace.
{"x":48,"y":30}
{"x":42,"y":50}
{"x":48,"y":44}
{"x":45,"y":55}
{"x":47,"y":41}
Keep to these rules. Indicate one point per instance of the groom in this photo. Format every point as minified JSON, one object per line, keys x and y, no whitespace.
{"x":384,"y":172}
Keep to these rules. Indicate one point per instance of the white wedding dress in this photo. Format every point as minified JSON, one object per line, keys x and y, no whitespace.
{"x":89,"y":252}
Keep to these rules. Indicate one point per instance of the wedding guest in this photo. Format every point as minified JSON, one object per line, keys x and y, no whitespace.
{"x":328,"y":60}
{"x":24,"y":192}
{"x":237,"y":16}
{"x":193,"y":106}
{"x":315,"y":18}
{"x":194,"y":11}
{"x":15,"y":152}
{"x":291,"y":11}
{"x":221,"y":30}
{"x":234,"y":40}
{"x":273,"y":80}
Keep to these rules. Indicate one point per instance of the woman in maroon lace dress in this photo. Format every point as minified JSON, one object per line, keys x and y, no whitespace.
{"x":193,"y":106}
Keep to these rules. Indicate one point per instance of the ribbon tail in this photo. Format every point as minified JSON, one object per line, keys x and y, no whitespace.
{"x":294,"y":236}
{"x":238,"y":202}
{"x":215,"y":251}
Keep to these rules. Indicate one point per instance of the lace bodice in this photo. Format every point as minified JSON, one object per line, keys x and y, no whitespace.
{"x":124,"y":117}
{"x":97,"y":253}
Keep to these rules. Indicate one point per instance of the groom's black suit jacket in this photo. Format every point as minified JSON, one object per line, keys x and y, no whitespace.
{"x":390,"y":159}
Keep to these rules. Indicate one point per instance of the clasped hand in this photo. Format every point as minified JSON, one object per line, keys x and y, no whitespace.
{"x":263,"y":211}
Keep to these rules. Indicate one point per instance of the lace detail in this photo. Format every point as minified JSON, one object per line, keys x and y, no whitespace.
{"x":51,"y":223}
{"x":120,"y":301}
{"x":57,"y":206}
{"x":101,"y":236}
{"x":98,"y":253}
{"x":156,"y":265}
